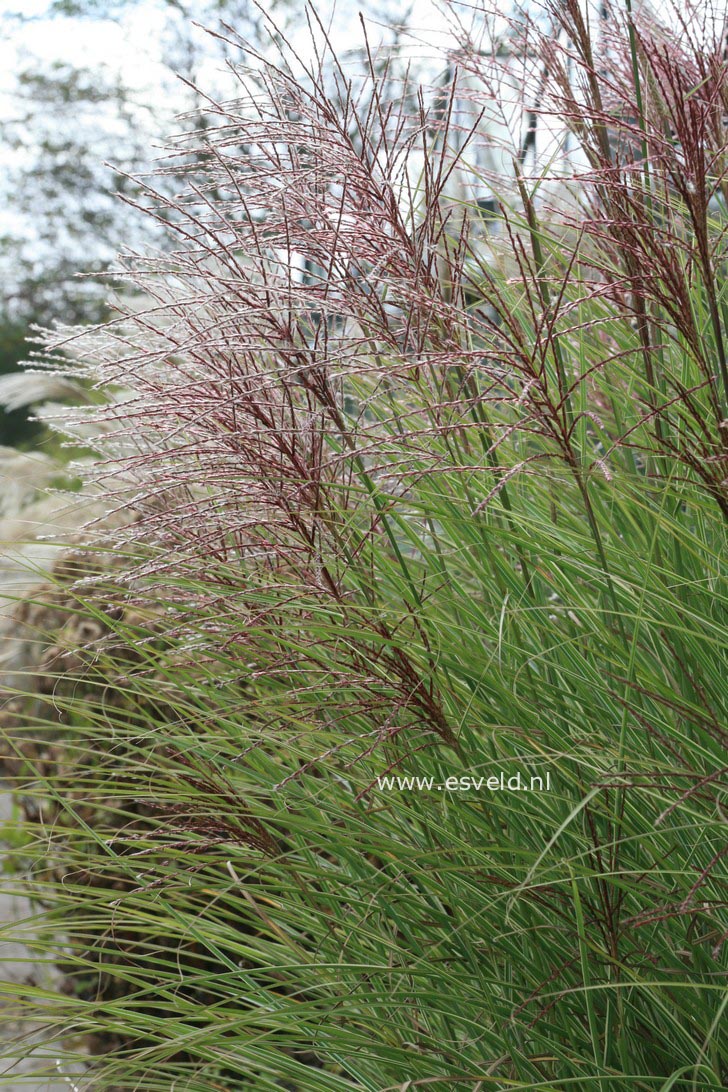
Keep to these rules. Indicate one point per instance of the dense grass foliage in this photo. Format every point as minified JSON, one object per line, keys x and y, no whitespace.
{"x":411,"y":500}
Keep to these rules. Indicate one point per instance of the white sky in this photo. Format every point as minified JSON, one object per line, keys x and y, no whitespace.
{"x":129,"y":46}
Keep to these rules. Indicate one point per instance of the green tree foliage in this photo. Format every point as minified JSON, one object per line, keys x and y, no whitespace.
{"x":15,"y":428}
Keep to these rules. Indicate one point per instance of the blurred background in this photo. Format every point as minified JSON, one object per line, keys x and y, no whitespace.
{"x":90,"y":91}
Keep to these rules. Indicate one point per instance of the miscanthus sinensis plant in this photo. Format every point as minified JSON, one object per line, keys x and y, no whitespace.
{"x":414,"y":495}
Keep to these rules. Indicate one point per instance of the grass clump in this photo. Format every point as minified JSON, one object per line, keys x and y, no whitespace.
{"x":410,"y":502}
